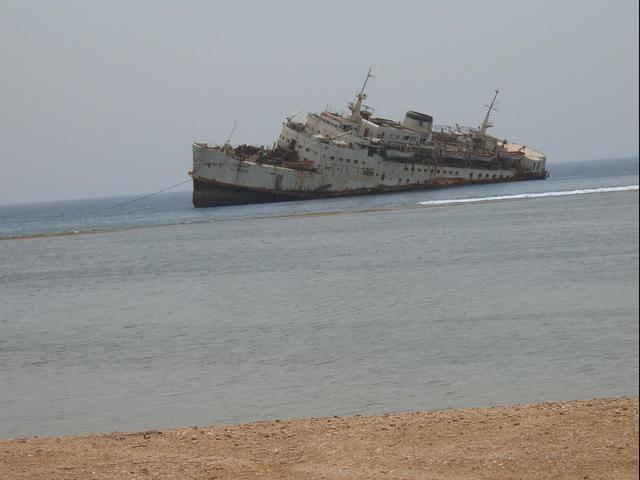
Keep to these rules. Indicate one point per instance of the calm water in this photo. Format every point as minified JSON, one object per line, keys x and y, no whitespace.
{"x":245,"y":313}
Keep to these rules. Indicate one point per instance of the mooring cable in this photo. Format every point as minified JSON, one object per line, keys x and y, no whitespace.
{"x":142,"y":197}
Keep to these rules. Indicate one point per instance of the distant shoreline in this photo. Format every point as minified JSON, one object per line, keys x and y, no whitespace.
{"x":584,"y":439}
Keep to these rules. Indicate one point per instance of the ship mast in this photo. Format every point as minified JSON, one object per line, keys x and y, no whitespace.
{"x":486,"y":124}
{"x":227,"y":145}
{"x":356,"y":106}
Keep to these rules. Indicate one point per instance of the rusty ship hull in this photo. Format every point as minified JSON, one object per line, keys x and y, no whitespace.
{"x":211,"y":193}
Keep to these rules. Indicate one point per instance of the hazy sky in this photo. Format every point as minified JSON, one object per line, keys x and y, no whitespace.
{"x":105,"y":98}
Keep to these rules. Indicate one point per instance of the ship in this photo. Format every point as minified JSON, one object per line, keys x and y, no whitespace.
{"x":336,"y":154}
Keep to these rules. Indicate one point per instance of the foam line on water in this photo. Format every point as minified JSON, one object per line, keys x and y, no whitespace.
{"x":531,"y":195}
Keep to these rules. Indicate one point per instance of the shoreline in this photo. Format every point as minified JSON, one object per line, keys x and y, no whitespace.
{"x":584,"y":439}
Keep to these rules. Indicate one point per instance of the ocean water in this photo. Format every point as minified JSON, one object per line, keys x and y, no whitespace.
{"x":174,"y":208}
{"x":172,"y":316}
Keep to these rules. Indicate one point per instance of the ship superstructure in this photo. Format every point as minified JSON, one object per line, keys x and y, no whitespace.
{"x":334,"y":154}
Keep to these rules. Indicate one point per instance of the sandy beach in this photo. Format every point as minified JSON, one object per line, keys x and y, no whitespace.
{"x":585,"y":439}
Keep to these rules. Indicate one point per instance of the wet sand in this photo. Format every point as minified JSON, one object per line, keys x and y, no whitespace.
{"x":587,"y":439}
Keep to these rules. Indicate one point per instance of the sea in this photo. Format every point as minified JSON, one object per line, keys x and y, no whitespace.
{"x":141,"y":312}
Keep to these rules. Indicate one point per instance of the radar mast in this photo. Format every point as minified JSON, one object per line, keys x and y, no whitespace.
{"x":486,"y":124}
{"x":356,"y":106}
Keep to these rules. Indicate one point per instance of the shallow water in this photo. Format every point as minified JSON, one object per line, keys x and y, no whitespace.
{"x":245,"y":316}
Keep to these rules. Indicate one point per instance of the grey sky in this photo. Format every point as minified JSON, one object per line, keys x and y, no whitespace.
{"x":105,"y":98}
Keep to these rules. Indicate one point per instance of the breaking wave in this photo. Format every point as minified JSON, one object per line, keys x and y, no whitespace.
{"x":530,"y":195}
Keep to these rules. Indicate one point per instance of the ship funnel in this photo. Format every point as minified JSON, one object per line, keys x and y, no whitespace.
{"x":418,"y":121}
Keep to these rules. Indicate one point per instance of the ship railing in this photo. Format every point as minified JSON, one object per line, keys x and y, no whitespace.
{"x":453,"y":129}
{"x":233,"y":148}
{"x":212,"y":146}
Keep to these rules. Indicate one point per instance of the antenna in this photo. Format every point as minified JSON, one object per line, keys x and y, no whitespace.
{"x":486,"y":123}
{"x":235,"y":124}
{"x":291,"y":117}
{"x":369,"y":75}
{"x":356,"y":107}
